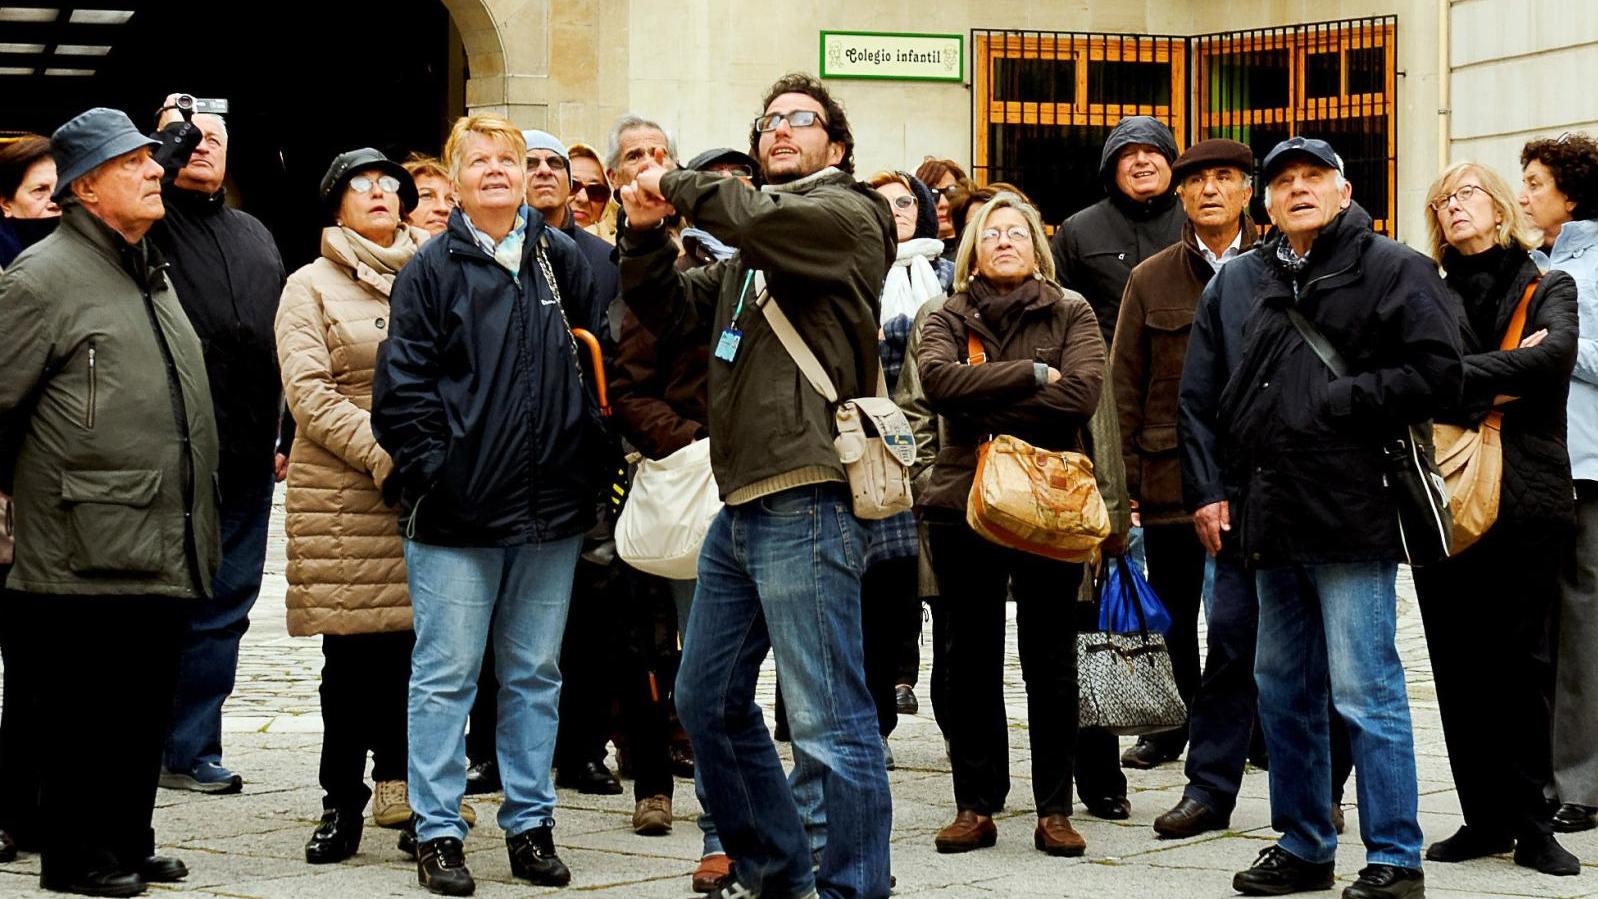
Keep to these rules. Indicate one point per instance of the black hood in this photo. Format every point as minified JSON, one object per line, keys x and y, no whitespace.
{"x":926,"y":207}
{"x":1137,"y":129}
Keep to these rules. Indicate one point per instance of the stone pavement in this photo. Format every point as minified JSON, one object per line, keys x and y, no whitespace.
{"x":251,"y":845}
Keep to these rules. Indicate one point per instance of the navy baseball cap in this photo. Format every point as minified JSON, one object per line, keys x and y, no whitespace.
{"x":1318,"y":150}
{"x":89,"y":139}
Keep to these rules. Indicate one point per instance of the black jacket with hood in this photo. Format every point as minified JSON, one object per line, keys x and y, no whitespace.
{"x":1265,"y":424}
{"x":478,"y":396}
{"x":1096,"y":249}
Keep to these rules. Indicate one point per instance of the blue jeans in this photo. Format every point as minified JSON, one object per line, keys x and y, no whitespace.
{"x":1336,"y":620}
{"x":210,"y":655}
{"x":782,"y":574}
{"x":682,"y":596}
{"x":456,"y":592}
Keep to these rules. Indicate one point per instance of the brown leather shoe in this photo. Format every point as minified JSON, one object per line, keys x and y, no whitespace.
{"x":713,"y":873}
{"x":968,"y":831}
{"x":1056,"y":836}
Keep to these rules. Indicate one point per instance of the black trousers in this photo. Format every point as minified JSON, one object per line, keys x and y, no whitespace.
{"x":20,"y":728}
{"x":887,"y":589}
{"x":1098,"y":752}
{"x":979,"y":573}
{"x":647,"y":671}
{"x":1223,"y":711}
{"x":589,"y":663}
{"x":365,"y":689}
{"x":113,"y":663}
{"x":1176,"y":572}
{"x":1487,"y":613}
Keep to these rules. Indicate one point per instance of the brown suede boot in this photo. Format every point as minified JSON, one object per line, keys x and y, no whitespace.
{"x":968,"y":831}
{"x":1056,"y":836}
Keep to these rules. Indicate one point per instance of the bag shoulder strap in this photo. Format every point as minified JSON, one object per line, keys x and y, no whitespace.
{"x":1517,"y":321}
{"x":1317,"y":342}
{"x":798,"y":350}
{"x":974,"y":353}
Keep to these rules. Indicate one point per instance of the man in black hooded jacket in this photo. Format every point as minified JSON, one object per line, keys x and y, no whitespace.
{"x":1095,"y":251}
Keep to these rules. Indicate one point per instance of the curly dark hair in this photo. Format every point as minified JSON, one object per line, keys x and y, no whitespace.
{"x":16,"y":157}
{"x":1572,"y":158}
{"x":837,"y":122}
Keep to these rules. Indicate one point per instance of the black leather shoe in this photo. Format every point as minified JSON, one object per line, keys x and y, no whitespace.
{"x":533,"y":858}
{"x":407,"y":841}
{"x":1541,"y":852}
{"x":1468,"y":843}
{"x":8,"y":848}
{"x":441,"y":867}
{"x":1110,"y":808}
{"x":107,"y":882}
{"x":1387,"y":882}
{"x":161,"y":869}
{"x":1148,"y":754}
{"x":1573,"y":818}
{"x":481,"y":778}
{"x":589,"y":777}
{"x":682,"y":761}
{"x":1278,"y":872}
{"x":1189,"y":819}
{"x":904,"y":699}
{"x":336,"y":838}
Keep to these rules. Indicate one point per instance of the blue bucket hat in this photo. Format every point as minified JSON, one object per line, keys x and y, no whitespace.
{"x":90,"y":139}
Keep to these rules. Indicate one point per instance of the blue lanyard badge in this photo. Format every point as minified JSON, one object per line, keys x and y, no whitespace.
{"x":727,"y":346}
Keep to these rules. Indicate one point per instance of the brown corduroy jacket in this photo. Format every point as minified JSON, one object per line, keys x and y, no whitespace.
{"x":1151,"y":335}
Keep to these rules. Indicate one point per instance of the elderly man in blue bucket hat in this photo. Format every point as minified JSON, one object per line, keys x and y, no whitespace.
{"x":109,"y":447}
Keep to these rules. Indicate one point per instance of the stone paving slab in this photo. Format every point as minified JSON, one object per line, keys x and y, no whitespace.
{"x":251,"y":846}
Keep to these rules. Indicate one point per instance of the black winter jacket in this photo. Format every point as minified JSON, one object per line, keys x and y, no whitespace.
{"x":478,"y":396}
{"x":1297,"y":449}
{"x":1536,"y":484}
{"x":229,"y":277}
{"x":1096,"y":249}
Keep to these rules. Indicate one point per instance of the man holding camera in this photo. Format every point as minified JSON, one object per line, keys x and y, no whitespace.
{"x":229,"y":277}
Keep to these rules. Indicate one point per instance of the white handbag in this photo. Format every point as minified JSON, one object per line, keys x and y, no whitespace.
{"x":668,"y":511}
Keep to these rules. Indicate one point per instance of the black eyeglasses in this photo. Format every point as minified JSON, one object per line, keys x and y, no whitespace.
{"x":798,"y":118}
{"x":1463,"y":194}
{"x":942,"y":191}
{"x":362,"y":183}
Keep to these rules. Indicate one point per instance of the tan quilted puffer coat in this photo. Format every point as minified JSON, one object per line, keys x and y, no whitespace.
{"x":346,"y":565}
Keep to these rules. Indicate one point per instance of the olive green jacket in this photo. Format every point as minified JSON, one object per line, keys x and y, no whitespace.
{"x":106,"y":411}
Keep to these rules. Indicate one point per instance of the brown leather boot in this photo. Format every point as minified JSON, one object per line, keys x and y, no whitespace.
{"x":968,"y":831}
{"x":1056,"y":836}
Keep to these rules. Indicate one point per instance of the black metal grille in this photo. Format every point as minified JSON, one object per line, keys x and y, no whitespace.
{"x":1045,"y":101}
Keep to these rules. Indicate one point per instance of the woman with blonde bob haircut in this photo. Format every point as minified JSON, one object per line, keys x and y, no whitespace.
{"x":480,"y":368}
{"x":1039,"y":379}
{"x":1495,"y":599}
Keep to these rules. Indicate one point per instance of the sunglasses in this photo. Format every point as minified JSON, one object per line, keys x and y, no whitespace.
{"x":799,"y":118}
{"x":555,"y":163}
{"x":942,"y":191}
{"x":595,"y":191}
{"x":388,"y":183}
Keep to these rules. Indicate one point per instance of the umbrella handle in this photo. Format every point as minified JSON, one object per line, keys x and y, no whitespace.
{"x":592,"y":342}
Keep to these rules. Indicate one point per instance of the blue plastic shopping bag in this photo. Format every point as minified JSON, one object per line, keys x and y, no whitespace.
{"x":1127,"y":604}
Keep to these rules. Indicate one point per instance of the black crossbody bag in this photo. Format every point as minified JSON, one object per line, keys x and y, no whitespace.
{"x":1425,"y":525}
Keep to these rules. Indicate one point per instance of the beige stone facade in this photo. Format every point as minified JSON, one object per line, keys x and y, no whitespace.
{"x":700,"y":66}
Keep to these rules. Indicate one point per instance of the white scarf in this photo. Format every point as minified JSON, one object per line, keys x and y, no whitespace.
{"x":911,"y":280}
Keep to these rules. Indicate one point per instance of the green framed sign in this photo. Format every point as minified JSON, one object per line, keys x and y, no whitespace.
{"x":893,"y":56}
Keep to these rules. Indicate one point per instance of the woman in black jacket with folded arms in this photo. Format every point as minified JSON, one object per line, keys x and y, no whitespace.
{"x":1487,"y":608}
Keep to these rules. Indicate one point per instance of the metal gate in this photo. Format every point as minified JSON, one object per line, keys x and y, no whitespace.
{"x":1044,"y":102}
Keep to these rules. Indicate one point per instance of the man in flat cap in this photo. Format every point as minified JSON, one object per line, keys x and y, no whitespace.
{"x":1214,"y":181}
{"x":1284,"y":464}
{"x":107,"y":410}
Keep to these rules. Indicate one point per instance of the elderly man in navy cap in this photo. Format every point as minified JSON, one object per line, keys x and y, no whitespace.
{"x":1286,"y":470}
{"x":106,"y":413}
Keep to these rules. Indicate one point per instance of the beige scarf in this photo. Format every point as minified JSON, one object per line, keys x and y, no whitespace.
{"x":374,"y":265}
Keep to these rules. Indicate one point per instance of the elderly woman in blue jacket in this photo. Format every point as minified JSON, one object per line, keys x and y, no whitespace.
{"x":1560,"y":196}
{"x":479,"y":397}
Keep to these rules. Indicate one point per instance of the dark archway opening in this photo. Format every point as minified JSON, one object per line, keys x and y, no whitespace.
{"x":305,"y":81}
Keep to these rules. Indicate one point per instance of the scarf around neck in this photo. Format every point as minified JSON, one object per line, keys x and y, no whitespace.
{"x":911,"y":279}
{"x":1002,"y":310}
{"x":374,"y":264}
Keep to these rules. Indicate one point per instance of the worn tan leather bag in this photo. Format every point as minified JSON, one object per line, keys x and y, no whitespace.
{"x":1472,"y":459}
{"x":1044,"y":502}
